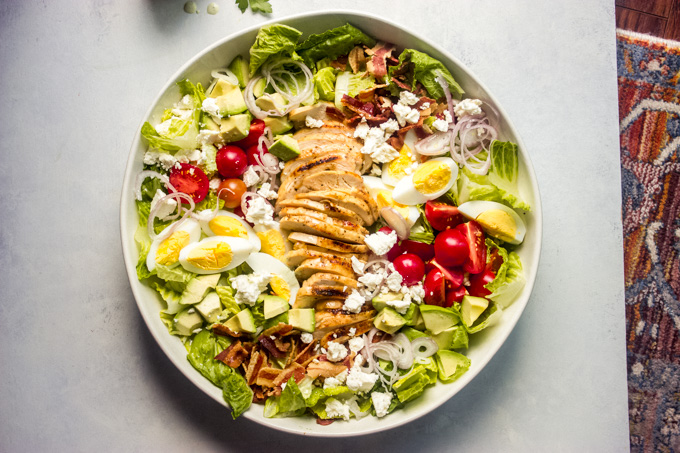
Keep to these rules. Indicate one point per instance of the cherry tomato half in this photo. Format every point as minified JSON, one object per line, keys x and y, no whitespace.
{"x":474,"y":236}
{"x":450,"y":248}
{"x":423,"y":250}
{"x":231,"y":161}
{"x":434,"y":288}
{"x":254,"y":150}
{"x":455,"y":296}
{"x":231,"y":190}
{"x":191,"y":180}
{"x":477,"y":282}
{"x":411,"y":268}
{"x":453,"y":276}
{"x":256,"y":130}
{"x":442,"y":216}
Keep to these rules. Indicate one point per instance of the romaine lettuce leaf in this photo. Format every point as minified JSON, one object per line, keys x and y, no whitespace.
{"x":324,"y":84}
{"x":509,"y":279}
{"x":144,"y":244}
{"x":236,"y":393}
{"x":290,"y":403}
{"x":176,"y":274}
{"x":332,"y":43}
{"x":504,"y":170}
{"x":169,"y":295}
{"x":204,"y":347}
{"x":426,"y":69}
{"x":351,"y":85}
{"x":478,"y":187}
{"x":422,"y":231}
{"x":273,"y":40}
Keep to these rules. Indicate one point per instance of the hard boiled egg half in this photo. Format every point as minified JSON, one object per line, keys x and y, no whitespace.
{"x":383,"y":196}
{"x":165,"y":249}
{"x":283,"y":282}
{"x":225,"y":223}
{"x":215,"y":254}
{"x":496,"y":219}
{"x":430,"y":180}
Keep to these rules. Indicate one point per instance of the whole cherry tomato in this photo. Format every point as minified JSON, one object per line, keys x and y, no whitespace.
{"x":450,"y":248}
{"x":231,"y":161}
{"x":411,"y":268}
{"x":231,"y":190}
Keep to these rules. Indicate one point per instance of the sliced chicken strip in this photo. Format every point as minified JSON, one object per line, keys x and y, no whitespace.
{"x":295,"y":257}
{"x":309,"y":267}
{"x":326,"y":207}
{"x":310,"y":225}
{"x":330,"y":244}
{"x":325,"y":279}
{"x":324,"y":218}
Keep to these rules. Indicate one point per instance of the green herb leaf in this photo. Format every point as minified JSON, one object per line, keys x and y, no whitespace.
{"x":260,"y":6}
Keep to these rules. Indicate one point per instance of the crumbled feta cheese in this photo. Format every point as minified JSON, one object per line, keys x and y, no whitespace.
{"x":376,"y":170}
{"x":166,"y":208}
{"x":210,"y":106}
{"x":381,"y":243}
{"x":400,"y":305}
{"x":468,"y":107}
{"x":313,"y":122}
{"x":372,"y":280}
{"x":250,"y":177}
{"x":337,"y":409}
{"x":191,"y":310}
{"x":393,"y":282}
{"x":260,"y":212}
{"x":249,"y":286}
{"x":281,"y":165}
{"x":266,"y":191}
{"x":381,"y":402}
{"x":408,"y":98}
{"x":376,"y":146}
{"x":209,"y":137}
{"x":405,"y":114}
{"x":447,"y":116}
{"x":356,"y":344}
{"x":354,"y":302}
{"x":417,"y":292}
{"x":425,"y":105}
{"x":357,"y":265}
{"x":164,"y":127}
{"x":440,"y":125}
{"x":336,"y":351}
{"x":214,"y":183}
{"x":390,"y":127}
{"x":352,"y":331}
{"x":359,"y":360}
{"x":361,"y":131}
{"x":335,"y":381}
{"x":165,"y":160}
{"x":358,"y":381}
{"x":186,"y":103}
{"x":306,"y":337}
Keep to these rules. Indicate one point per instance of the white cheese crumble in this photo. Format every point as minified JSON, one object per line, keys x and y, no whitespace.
{"x":372,"y":280}
{"x":425,"y":105}
{"x":166,"y":208}
{"x":312,"y":122}
{"x":405,"y":114}
{"x":390,"y":126}
{"x":209,"y":137}
{"x":358,"y":381}
{"x":336,"y":351}
{"x":249,"y":286}
{"x":337,"y":409}
{"x":440,"y":125}
{"x":381,"y":243}
{"x":393,"y":282}
{"x":400,"y":305}
{"x":361,"y":131}
{"x":210,"y":106}
{"x":165,"y":160}
{"x":336,"y":381}
{"x":214,"y":183}
{"x":266,"y":191}
{"x":306,"y":337}
{"x":357,"y":265}
{"x":447,"y":116}
{"x":408,"y":98}
{"x":354,"y":302}
{"x":415,"y":293}
{"x":356,"y":344}
{"x":352,"y":331}
{"x":375,"y":142}
{"x":250,"y":177}
{"x":468,"y":107}
{"x":260,"y":212}
{"x":381,"y":403}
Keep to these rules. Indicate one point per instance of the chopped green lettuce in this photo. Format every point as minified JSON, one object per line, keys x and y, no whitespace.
{"x":332,"y":43}
{"x":351,"y":85}
{"x":273,"y":40}
{"x":237,"y":394}
{"x":324,"y":84}
{"x":175,"y":274}
{"x":169,"y":295}
{"x":504,"y":171}
{"x":460,"y":338}
{"x":422,"y":230}
{"x":509,"y":279}
{"x":144,"y":244}
{"x":413,"y":383}
{"x":209,"y":163}
{"x":205,"y":346}
{"x":478,"y":187}
{"x":290,"y":403}
{"x":426,"y":70}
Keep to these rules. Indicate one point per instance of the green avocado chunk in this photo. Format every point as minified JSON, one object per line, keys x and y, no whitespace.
{"x":187,"y":321}
{"x":302,"y":319}
{"x":380,"y":301}
{"x":285,"y":148}
{"x":197,"y":288}
{"x":451,"y":365}
{"x":243,"y":321}
{"x":278,"y":125}
{"x":273,"y":305}
{"x":210,"y":307}
{"x":228,"y":98}
{"x":471,"y":307}
{"x":388,"y":320}
{"x":239,"y":66}
{"x":438,"y":319}
{"x":235,"y":127}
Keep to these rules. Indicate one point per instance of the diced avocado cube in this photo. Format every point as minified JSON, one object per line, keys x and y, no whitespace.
{"x":380,"y":301}
{"x":412,"y":333}
{"x":302,"y":319}
{"x":269,"y":102}
{"x":259,"y":87}
{"x":316,"y":111}
{"x":388,"y":320}
{"x":239,"y":66}
{"x":197,"y":288}
{"x":235,"y":127}
{"x":452,"y":338}
{"x":274,"y":305}
{"x":282,"y":318}
{"x":285,"y":148}
{"x":278,"y":125}
{"x":471,"y":307}
{"x":438,"y":319}
{"x":228,"y":98}
{"x":243,"y":321}
{"x":210,"y":124}
{"x":451,"y":365}
{"x":187,"y":321}
{"x":210,"y":307}
{"x":411,"y":315}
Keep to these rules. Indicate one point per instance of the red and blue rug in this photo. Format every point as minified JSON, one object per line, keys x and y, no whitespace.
{"x":649,"y":114}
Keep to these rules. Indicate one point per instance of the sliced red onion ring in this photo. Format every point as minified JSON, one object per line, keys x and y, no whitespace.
{"x":424,"y":347}
{"x":434,"y":145}
{"x":445,"y":86}
{"x":270,"y":163}
{"x":405,"y":357}
{"x":148,"y":174}
{"x":396,"y":221}
{"x":187,"y":212}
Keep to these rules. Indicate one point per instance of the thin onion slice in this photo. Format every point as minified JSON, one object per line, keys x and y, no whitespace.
{"x":244,"y":201}
{"x":424,"y":347}
{"x":405,"y":357}
{"x":148,"y":174}
{"x":396,"y":221}
{"x":187,"y":212}
{"x":225,"y":74}
{"x":436,"y":144}
{"x":445,"y":86}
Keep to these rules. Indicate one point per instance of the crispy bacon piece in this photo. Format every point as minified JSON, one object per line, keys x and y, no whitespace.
{"x":306,"y":355}
{"x":257,"y":360}
{"x":221,"y":329}
{"x":280,"y":329}
{"x":341,"y":334}
{"x":378,"y":63}
{"x":266,"y":376}
{"x":356,"y":59}
{"x":271,"y":348}
{"x":339,"y":63}
{"x":324,"y":421}
{"x":234,"y":355}
{"x":366,"y":110}
{"x":324,"y":368}
{"x":261,"y":394}
{"x":295,"y":370}
{"x":400,"y":84}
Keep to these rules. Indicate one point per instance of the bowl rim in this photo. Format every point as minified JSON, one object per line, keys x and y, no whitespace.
{"x":530,"y":274}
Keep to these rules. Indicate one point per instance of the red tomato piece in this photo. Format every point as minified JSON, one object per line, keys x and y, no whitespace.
{"x":453,"y":276}
{"x":474,"y":236}
{"x":231,"y":161}
{"x":477,"y":282}
{"x":231,"y":190}
{"x":256,"y":130}
{"x":411,"y":268}
{"x":190,"y":180}
{"x":454,"y":296}
{"x":451,"y":248}
{"x":423,"y":250}
{"x":494,"y":261}
{"x":254,"y":150}
{"x":442,"y":216}
{"x":434,"y":288}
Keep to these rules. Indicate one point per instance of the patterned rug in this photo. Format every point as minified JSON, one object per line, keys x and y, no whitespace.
{"x":649,"y":113}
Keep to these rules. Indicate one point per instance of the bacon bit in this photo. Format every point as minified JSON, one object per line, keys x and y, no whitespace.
{"x":392,"y":61}
{"x":221,"y":329}
{"x":270,"y":346}
{"x":257,"y":360}
{"x":341,"y":334}
{"x":357,"y":59}
{"x":306,"y":355}
{"x":365,"y":110}
{"x":234,"y":355}
{"x":396,"y":142}
{"x":334,"y":113}
{"x":266,"y":376}
{"x":368,"y":95}
{"x":339,"y":63}
{"x":401,"y":84}
{"x":279,"y":329}
{"x":324,"y":369}
{"x":324,"y":421}
{"x":378,"y":64}
{"x":282,"y":345}
{"x":295,"y":370}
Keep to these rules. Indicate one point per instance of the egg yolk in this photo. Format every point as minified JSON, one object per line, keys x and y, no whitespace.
{"x":211,"y":256}
{"x":384,"y":199}
{"x":498,"y":224}
{"x":168,"y":250}
{"x":280,"y":287}
{"x":431,"y":177}
{"x":397,"y":168}
{"x":272,"y":243}
{"x":227,"y":226}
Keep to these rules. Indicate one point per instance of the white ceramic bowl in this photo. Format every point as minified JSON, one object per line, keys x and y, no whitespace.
{"x":483,"y":345}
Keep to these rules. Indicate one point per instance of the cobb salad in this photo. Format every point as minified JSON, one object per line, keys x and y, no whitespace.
{"x":328,"y":223}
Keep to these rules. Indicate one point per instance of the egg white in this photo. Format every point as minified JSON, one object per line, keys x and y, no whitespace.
{"x":406,"y":193}
{"x":472,"y":209}
{"x":252,"y":236}
{"x":375,"y":185}
{"x":263,"y":263}
{"x":410,"y":140}
{"x":189,"y":225}
{"x":240,"y":249}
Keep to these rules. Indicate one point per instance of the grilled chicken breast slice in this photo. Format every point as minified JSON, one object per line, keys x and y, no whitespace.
{"x":310,"y":267}
{"x":325,"y":279}
{"x":326,"y":207}
{"x":310,"y":225}
{"x":327,"y":243}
